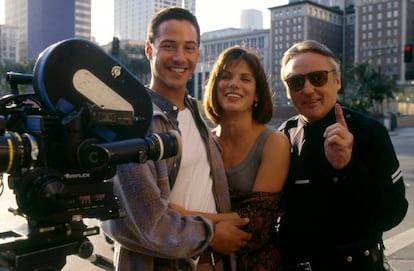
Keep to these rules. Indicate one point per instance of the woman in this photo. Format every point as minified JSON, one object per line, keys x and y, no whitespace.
{"x":238,"y":100}
{"x":256,"y":158}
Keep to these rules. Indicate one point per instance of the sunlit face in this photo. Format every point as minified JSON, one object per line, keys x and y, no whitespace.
{"x":237,"y":88}
{"x":173,"y":55}
{"x":313,"y":102}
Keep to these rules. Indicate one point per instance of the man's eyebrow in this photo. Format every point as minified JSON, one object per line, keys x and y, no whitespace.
{"x":192,"y":42}
{"x":173,"y":41}
{"x":167,"y":40}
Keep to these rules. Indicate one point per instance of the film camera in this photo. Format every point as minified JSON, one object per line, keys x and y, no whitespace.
{"x":59,"y":148}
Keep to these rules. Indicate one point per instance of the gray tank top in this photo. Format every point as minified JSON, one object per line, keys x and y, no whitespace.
{"x":242,"y":176}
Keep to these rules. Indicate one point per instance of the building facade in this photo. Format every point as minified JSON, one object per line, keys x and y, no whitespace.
{"x":251,"y":19}
{"x":131,"y":17}
{"x":16,"y":15}
{"x":8,"y":43}
{"x":41,"y":23}
{"x":384,"y":27}
{"x":373,"y":31}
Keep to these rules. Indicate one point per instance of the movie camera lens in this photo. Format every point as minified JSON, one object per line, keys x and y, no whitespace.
{"x":153,"y":147}
{"x":17,"y":151}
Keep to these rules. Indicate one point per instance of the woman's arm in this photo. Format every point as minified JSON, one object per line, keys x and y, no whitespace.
{"x":275,"y":163}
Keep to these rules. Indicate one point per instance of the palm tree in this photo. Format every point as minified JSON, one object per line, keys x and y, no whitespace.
{"x":370,"y":88}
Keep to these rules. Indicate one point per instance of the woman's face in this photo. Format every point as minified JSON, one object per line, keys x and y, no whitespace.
{"x":237,"y":88}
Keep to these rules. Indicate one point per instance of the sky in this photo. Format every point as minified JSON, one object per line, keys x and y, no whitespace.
{"x":211,"y":14}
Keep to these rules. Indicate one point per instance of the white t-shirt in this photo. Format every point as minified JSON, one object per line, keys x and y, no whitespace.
{"x":193,"y":186}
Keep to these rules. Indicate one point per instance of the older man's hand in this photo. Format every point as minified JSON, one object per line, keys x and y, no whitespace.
{"x":338,"y":141}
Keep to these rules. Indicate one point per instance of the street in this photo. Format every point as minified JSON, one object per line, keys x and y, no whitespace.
{"x":399,"y":241}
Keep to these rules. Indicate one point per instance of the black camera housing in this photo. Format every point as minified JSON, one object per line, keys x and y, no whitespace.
{"x":61,"y":145}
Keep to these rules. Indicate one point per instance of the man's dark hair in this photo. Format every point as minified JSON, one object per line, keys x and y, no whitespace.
{"x":166,"y":14}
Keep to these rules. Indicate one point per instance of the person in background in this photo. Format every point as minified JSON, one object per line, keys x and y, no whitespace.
{"x":345,"y":185}
{"x":256,"y":157}
{"x":152,"y":236}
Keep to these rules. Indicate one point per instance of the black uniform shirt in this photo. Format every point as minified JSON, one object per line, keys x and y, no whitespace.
{"x":329,"y":209}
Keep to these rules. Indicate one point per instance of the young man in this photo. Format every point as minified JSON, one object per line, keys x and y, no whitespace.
{"x":345,"y":186}
{"x":151,"y":236}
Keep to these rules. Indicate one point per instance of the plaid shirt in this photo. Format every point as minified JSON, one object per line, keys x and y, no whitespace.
{"x":149,"y":229}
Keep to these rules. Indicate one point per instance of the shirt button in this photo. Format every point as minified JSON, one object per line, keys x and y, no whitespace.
{"x":175,"y":108}
{"x":349,"y":259}
{"x":366,"y":252}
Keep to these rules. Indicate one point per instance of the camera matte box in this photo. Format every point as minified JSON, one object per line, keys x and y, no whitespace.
{"x":77,"y":72}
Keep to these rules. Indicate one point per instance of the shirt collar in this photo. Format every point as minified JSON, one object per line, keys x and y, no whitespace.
{"x":164,"y":104}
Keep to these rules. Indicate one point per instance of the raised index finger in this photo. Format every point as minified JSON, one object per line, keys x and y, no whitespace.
{"x":339,"y":114}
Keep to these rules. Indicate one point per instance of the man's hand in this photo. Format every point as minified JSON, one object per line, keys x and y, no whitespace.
{"x":178,"y":208}
{"x":228,"y":236}
{"x":338,"y":141}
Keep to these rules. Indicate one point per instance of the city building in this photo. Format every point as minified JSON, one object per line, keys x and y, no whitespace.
{"x":328,"y":3}
{"x":8,"y":43}
{"x":251,"y":19}
{"x":16,"y":15}
{"x":41,"y":23}
{"x":383,"y":29}
{"x":131,"y":17}
{"x":373,"y":31}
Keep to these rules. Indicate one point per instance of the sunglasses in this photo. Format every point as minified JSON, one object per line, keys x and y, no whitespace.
{"x":317,"y":79}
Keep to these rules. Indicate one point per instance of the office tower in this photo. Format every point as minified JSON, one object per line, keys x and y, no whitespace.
{"x":16,"y":15}
{"x":372,"y":31}
{"x":329,"y":3}
{"x":8,"y":43}
{"x":44,"y":22}
{"x":132,"y":16}
{"x":251,"y":19}
{"x":384,"y":28}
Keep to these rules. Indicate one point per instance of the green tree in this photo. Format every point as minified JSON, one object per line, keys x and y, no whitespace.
{"x":115,"y":47}
{"x":369,"y":88}
{"x":133,"y":57}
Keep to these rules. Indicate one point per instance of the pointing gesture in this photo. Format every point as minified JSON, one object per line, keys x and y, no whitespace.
{"x":338,"y":141}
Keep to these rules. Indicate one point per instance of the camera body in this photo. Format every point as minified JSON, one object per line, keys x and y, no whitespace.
{"x":59,"y":146}
{"x":51,"y":174}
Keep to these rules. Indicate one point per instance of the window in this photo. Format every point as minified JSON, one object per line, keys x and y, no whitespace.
{"x":379,"y":16}
{"x":395,"y":13}
{"x":395,"y":4}
{"x":395,"y":23}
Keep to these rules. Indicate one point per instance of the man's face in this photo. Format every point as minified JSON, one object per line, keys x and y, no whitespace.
{"x":173,"y":55}
{"x":313,"y":102}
